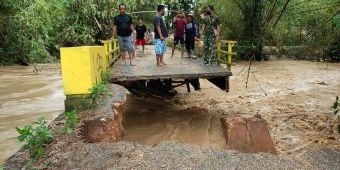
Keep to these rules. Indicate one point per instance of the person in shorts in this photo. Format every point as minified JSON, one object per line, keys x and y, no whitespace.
{"x":180,"y":23}
{"x":141,"y":30}
{"x":191,"y":32}
{"x":124,"y":28}
{"x":161,"y":33}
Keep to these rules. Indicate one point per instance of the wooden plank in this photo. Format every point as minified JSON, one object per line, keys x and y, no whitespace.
{"x":145,"y":68}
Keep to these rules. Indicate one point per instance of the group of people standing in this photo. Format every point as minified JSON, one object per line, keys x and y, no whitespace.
{"x":186,"y":32}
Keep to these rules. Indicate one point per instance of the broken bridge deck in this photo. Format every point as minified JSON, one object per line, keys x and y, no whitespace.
{"x":186,"y":69}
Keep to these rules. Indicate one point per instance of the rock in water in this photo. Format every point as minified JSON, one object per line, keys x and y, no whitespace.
{"x":248,"y":135}
{"x":23,"y":62}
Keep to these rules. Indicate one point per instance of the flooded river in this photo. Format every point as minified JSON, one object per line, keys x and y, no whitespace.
{"x":150,"y":121}
{"x":25,"y":96}
{"x":294,"y":97}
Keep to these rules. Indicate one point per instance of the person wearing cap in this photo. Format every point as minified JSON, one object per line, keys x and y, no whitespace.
{"x":191,"y":33}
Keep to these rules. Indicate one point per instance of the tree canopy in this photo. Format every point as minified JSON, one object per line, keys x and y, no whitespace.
{"x":36,"y":29}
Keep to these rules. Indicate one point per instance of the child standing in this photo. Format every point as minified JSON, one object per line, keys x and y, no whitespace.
{"x":141,"y":31}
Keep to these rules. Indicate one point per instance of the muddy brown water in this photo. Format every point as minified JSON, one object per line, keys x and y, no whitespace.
{"x":150,"y":121}
{"x":294,"y":97}
{"x":25,"y":96}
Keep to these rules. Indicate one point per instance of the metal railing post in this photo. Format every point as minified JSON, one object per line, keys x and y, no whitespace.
{"x":219,"y":51}
{"x":115,"y":46}
{"x":230,"y":54}
{"x":110,"y":49}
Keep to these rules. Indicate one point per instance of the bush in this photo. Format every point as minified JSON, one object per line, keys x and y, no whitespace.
{"x":71,"y":121}
{"x":248,"y":52}
{"x":334,"y":52}
{"x":101,"y":89}
{"x":35,"y":136}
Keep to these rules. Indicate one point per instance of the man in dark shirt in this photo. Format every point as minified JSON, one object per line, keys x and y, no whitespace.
{"x":123,"y":26}
{"x":140,"y":30}
{"x":161,"y":33}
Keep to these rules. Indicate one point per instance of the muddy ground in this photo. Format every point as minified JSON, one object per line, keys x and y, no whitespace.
{"x":294,"y":97}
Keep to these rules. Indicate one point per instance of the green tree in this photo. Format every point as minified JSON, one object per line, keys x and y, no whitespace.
{"x":30,"y":29}
{"x":276,"y":22}
{"x":36,"y":29}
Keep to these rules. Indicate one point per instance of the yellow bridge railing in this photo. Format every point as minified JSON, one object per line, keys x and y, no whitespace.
{"x":111,"y":50}
{"x":229,"y":52}
{"x":83,"y":67}
{"x":220,"y":51}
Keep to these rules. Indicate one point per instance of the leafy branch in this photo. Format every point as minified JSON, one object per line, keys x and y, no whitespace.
{"x":101,"y":89}
{"x":70,"y":121}
{"x":35,"y":137}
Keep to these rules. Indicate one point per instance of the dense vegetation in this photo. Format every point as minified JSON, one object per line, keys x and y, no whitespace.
{"x":35,"y":29}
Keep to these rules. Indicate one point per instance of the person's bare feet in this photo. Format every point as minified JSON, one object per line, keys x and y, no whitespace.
{"x":162,"y":63}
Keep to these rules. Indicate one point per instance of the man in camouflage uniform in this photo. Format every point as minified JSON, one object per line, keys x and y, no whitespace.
{"x":211,"y":33}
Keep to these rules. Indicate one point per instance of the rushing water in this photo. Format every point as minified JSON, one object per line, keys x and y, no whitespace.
{"x":294,"y":88}
{"x":152,"y":121}
{"x":25,"y":96}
